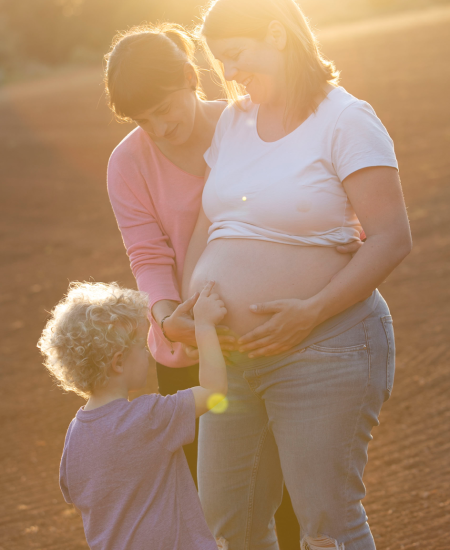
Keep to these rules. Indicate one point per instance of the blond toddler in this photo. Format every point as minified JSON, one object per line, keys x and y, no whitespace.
{"x":123,"y":466}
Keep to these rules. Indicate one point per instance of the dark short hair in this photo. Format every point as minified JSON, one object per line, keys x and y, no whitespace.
{"x":144,"y":64}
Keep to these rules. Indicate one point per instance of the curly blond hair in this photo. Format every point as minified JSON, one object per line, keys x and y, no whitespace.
{"x":90,"y":324}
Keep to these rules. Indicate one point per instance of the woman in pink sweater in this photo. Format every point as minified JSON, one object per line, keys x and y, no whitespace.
{"x":155,"y":184}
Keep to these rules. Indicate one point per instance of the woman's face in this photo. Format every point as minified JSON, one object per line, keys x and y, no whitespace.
{"x":172,"y":120}
{"x":256,"y":64}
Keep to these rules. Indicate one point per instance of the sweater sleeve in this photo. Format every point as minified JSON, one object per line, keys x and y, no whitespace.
{"x":152,"y":259}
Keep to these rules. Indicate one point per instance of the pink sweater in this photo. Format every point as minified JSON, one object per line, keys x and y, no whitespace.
{"x":156,"y":205}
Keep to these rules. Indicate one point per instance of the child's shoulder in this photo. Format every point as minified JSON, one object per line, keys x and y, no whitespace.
{"x":154,"y":405}
{"x":159,"y":403}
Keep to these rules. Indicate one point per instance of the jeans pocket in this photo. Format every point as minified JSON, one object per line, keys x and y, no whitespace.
{"x":351,"y":340}
{"x":346,"y":349}
{"x":390,"y":361}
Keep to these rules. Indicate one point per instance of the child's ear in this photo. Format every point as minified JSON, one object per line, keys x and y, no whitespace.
{"x":116,"y":363}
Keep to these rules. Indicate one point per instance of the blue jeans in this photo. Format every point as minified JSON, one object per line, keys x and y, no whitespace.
{"x":305,"y":418}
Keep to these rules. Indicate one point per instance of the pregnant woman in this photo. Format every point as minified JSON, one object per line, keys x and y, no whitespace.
{"x":295,"y":168}
{"x":155,"y":183}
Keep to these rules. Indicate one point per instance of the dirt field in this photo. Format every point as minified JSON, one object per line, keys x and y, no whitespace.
{"x":56,"y":225}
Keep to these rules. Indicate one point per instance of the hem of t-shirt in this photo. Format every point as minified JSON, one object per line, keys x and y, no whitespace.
{"x":65,"y":495}
{"x":369,"y":164}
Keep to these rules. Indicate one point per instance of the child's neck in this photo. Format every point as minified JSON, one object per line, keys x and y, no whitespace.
{"x":105,"y":395}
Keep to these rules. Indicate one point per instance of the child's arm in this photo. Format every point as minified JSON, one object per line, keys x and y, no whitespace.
{"x":208,"y":312}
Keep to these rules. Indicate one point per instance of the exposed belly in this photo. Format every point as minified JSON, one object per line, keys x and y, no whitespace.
{"x":251,"y":271}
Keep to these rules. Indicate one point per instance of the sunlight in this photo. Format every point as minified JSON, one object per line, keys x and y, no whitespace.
{"x":217,"y":403}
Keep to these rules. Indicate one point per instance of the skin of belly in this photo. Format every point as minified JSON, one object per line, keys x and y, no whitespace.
{"x":251,"y":271}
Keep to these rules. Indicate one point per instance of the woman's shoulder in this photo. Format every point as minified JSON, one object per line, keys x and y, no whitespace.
{"x":129,"y":149}
{"x":345,"y":107}
{"x":237,"y":112}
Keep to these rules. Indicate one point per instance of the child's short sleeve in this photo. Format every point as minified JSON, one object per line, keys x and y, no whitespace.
{"x":360,"y":141}
{"x":173,"y":416}
{"x":222,"y":126}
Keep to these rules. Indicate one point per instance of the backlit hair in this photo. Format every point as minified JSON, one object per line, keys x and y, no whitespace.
{"x":144,"y":64}
{"x":307,"y":71}
{"x":90,"y":324}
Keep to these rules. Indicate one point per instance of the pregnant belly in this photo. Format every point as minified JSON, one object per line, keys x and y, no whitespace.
{"x":250,"y":271}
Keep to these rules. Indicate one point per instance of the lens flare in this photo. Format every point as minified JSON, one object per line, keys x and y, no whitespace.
{"x":244,"y":198}
{"x":217,"y":403}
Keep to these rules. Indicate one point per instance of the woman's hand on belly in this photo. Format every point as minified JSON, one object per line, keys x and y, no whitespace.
{"x":180,"y":327}
{"x":291,"y":322}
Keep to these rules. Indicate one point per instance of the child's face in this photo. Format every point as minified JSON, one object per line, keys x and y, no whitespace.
{"x":136,"y":360}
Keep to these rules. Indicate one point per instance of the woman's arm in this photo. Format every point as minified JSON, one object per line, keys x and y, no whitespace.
{"x":376,"y":196}
{"x":196,"y":247}
{"x":152,"y":259}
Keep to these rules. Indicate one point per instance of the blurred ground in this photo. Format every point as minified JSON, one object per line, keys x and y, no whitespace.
{"x":56,"y":226}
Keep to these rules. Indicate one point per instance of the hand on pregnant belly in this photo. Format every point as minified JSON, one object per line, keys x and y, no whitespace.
{"x":291,"y":322}
{"x":180,"y":327}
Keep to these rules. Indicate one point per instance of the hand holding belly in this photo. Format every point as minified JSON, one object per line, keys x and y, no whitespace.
{"x":179,"y":327}
{"x":291,"y":322}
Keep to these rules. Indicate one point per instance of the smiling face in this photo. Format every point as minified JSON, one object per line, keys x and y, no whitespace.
{"x":172,"y":120}
{"x":259,"y":65}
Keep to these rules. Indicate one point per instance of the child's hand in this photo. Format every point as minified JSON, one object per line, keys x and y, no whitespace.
{"x":209,"y":309}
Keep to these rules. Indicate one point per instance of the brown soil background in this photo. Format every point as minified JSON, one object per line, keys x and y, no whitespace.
{"x":56,"y":225}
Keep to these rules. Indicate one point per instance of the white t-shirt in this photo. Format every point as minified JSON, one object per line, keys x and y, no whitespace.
{"x":290,"y":191}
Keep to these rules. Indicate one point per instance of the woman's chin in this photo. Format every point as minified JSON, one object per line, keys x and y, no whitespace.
{"x":255,"y":97}
{"x":258,"y":97}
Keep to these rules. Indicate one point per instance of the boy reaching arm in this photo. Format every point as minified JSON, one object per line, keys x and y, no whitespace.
{"x":123,"y":465}
{"x":209,"y":310}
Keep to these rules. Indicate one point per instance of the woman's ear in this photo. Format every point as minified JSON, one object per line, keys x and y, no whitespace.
{"x":191,"y":76}
{"x":276,"y":35}
{"x":116,"y":363}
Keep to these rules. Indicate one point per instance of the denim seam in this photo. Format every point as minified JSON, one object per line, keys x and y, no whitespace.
{"x":369,"y":355}
{"x":385,"y":319}
{"x":252,"y":488}
{"x":256,"y":378}
{"x":323,"y":349}
{"x":356,"y":429}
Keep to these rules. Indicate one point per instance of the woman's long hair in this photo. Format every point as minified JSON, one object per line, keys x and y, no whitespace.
{"x":307,"y":70}
{"x":144,"y":64}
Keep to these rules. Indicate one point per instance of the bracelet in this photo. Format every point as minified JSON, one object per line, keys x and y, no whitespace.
{"x":172,"y":351}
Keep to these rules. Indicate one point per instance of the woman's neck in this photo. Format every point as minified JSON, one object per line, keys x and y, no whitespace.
{"x":273,"y":122}
{"x":204,"y":123}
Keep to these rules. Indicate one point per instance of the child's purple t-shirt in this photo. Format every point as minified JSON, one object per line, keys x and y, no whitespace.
{"x":124,"y":468}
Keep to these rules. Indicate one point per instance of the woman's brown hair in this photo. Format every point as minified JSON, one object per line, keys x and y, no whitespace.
{"x":146,"y":63}
{"x":307,"y":70}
